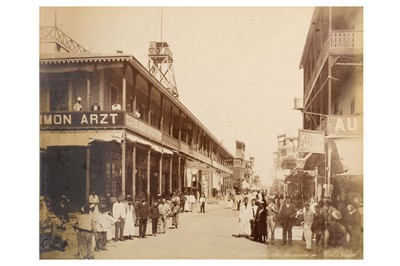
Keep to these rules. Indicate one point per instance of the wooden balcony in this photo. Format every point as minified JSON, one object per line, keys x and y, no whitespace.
{"x":346,"y":40}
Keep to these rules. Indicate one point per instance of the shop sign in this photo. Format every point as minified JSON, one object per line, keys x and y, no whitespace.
{"x":56,"y":120}
{"x":345,"y":125}
{"x":190,"y":164}
{"x":311,"y":141}
{"x":143,"y":129}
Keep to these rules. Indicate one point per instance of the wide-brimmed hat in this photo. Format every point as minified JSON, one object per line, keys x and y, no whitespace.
{"x":337,"y":215}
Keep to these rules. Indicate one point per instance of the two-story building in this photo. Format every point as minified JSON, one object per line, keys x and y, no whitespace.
{"x":332,"y":64}
{"x":141,"y":142}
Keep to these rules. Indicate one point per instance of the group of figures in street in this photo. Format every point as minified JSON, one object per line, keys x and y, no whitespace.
{"x":99,"y":224}
{"x":329,"y":225}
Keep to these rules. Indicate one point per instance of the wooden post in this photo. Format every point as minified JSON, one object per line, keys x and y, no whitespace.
{"x":180,"y":126}
{"x":87,"y":172}
{"x":134,"y":171}
{"x":123,"y":165}
{"x":171,"y":126}
{"x":123,"y":94}
{"x":170,"y":174}
{"x":179,"y":174}
{"x":134,"y":74}
{"x":148,"y":176}
{"x":88,"y":93}
{"x":102,"y":83}
{"x":162,"y":113}
{"x":160,"y":174}
{"x":149,"y":104}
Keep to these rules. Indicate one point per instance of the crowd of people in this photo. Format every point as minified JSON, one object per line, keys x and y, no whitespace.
{"x":328,"y":225}
{"x":123,"y":219}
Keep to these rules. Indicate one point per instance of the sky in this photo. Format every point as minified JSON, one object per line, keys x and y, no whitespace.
{"x":236,"y":68}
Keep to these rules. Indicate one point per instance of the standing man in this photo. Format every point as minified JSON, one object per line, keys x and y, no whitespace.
{"x":143,"y":213}
{"x":253,"y":223}
{"x":287,"y":213}
{"x":308,"y":221}
{"x":272,"y":211}
{"x":94,"y":199}
{"x":119,"y":213}
{"x":95,"y":106}
{"x":78,"y":105}
{"x":245,"y":215}
{"x":203,"y":203}
{"x":164,"y":210}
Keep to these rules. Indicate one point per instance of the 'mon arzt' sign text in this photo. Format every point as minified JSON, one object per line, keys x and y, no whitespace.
{"x":311,"y":141}
{"x":104,"y":119}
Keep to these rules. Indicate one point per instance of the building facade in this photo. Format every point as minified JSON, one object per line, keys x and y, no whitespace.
{"x":141,"y":142}
{"x":332,"y":64}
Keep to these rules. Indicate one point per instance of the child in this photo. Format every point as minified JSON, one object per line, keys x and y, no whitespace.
{"x":203,"y":203}
{"x":230,"y":204}
{"x":110,"y":225}
{"x":175,"y":214}
{"x":154,"y":215}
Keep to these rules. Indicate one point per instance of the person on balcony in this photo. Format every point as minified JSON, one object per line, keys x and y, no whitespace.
{"x":78,"y":105}
{"x":116,"y":107}
{"x":95,"y":106}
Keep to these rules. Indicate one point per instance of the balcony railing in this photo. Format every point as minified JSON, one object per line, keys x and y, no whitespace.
{"x":346,"y":39}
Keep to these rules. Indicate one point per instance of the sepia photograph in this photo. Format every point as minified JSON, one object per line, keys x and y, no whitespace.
{"x":201,"y":132}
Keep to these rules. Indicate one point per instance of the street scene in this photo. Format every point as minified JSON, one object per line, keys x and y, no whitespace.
{"x":199,"y":231}
{"x":201,"y":133}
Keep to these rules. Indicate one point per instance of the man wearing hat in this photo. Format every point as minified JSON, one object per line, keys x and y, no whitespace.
{"x":308,"y":221}
{"x":287,"y":214}
{"x":335,"y":234}
{"x":78,"y":105}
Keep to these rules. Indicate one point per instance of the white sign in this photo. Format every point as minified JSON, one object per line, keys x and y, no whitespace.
{"x":311,"y":141}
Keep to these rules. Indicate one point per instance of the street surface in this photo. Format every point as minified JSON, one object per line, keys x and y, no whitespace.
{"x":211,"y":235}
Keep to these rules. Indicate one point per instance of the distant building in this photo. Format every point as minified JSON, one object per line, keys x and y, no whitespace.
{"x":243,"y":169}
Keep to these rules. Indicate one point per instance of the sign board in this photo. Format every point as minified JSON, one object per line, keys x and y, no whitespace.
{"x":345,"y":125}
{"x":311,"y":141}
{"x":100,"y":119}
{"x":140,"y":127}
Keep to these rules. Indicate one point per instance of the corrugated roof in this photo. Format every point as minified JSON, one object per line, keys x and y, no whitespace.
{"x":62,"y":58}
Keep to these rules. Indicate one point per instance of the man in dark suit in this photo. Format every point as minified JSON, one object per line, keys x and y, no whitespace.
{"x":143,"y":213}
{"x":287,"y":214}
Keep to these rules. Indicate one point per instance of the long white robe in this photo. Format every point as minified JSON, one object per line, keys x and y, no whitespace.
{"x":245,"y":215}
{"x":129,"y":228}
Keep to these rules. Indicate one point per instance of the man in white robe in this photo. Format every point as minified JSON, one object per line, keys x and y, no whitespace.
{"x":245,"y":215}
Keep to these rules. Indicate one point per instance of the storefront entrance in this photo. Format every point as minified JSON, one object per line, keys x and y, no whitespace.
{"x":65,"y":175}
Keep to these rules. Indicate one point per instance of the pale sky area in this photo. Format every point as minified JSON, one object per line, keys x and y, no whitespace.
{"x":236,"y":68}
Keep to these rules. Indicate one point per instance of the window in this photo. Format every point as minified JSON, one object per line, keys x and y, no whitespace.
{"x":352,"y":107}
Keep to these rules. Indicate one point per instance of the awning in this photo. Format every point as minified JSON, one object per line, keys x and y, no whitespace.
{"x":76,"y":138}
{"x":347,"y":156}
{"x":137,"y":139}
{"x":153,"y":146}
{"x":167,"y":151}
{"x":299,"y":176}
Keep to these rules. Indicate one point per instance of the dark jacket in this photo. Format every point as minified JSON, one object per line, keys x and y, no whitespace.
{"x":154,"y":212}
{"x":143,"y":211}
{"x":287,"y":213}
{"x":318,"y":224}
